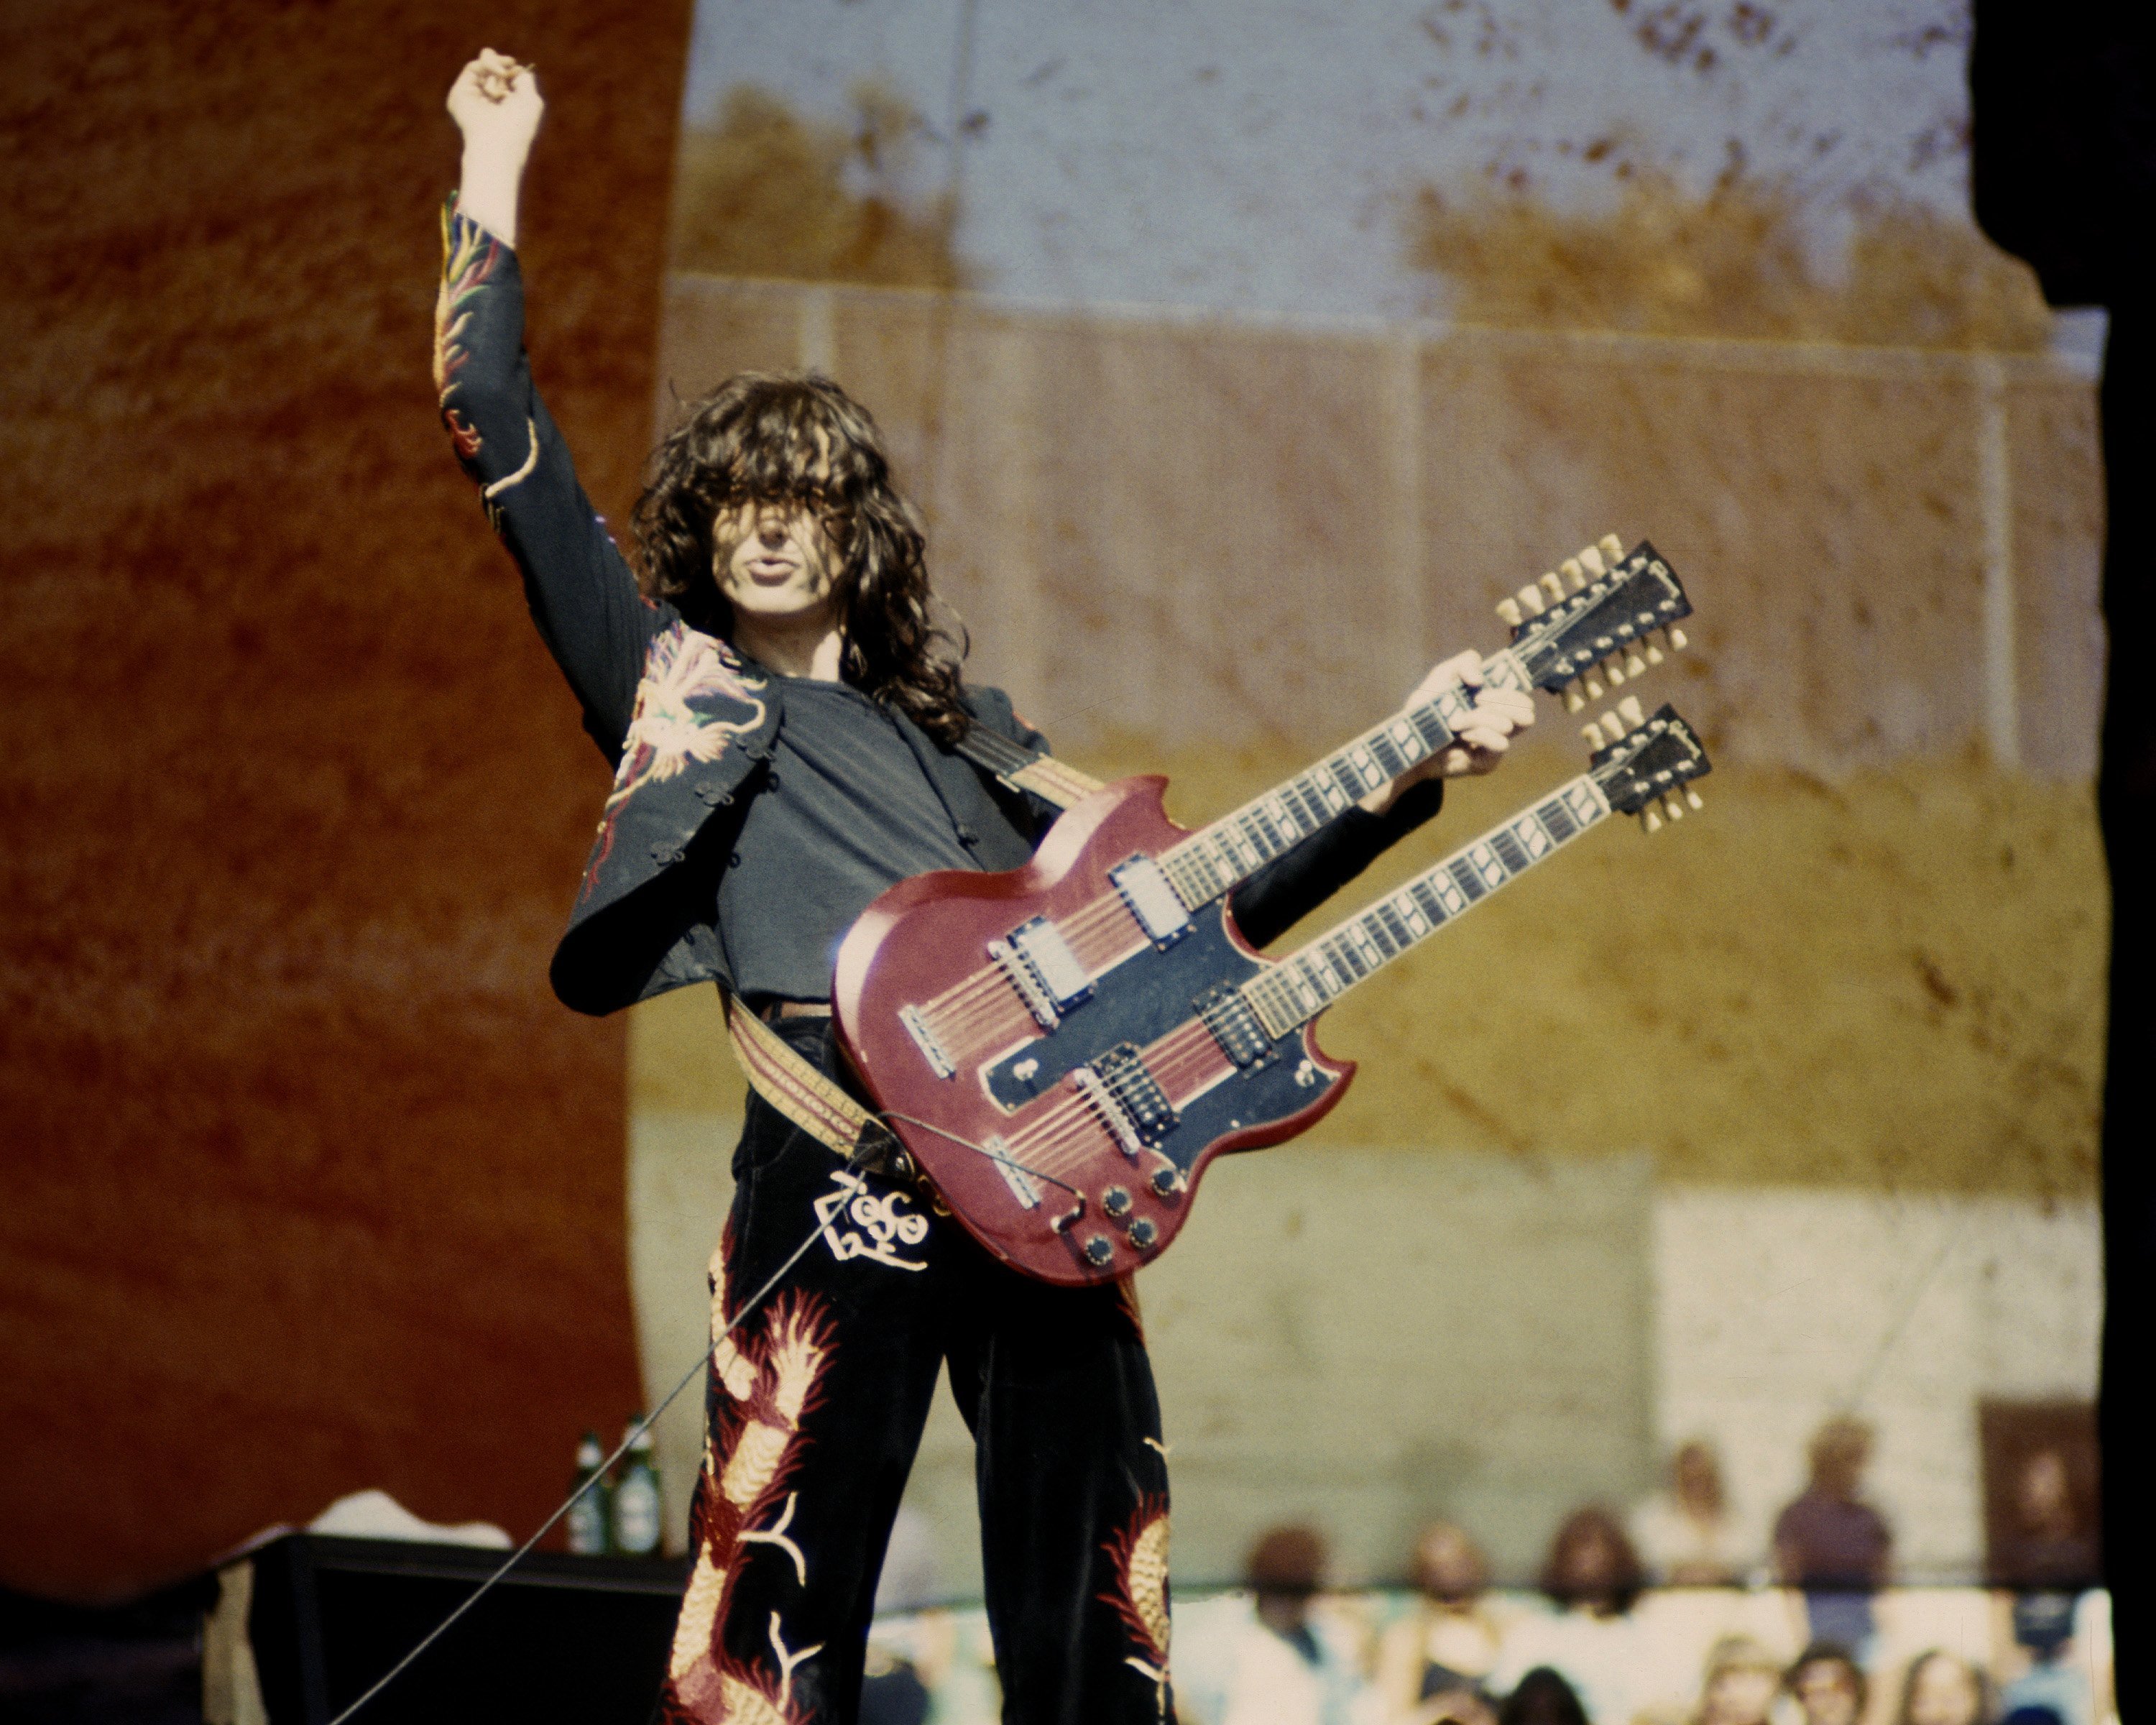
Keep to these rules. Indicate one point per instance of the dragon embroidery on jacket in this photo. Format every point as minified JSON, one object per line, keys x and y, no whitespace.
{"x":683,"y":669}
{"x":470,"y":254}
{"x":1139,"y":1553}
{"x":762,"y":1389}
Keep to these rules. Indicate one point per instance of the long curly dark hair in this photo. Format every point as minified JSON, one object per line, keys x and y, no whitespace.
{"x":765,"y":435}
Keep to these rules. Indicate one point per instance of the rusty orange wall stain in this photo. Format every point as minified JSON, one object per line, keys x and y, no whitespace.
{"x":762,"y":192}
{"x":310,"y":1184}
{"x":1733,"y":263}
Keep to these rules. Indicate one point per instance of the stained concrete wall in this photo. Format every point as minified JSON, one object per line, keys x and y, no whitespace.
{"x":309,"y":1183}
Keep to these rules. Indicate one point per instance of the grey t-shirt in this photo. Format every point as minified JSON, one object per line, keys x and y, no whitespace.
{"x":844,"y":813}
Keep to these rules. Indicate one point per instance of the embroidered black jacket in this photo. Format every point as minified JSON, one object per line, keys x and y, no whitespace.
{"x":687,"y":722}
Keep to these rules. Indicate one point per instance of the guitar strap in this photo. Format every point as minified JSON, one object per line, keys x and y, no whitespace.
{"x":796,"y":1089}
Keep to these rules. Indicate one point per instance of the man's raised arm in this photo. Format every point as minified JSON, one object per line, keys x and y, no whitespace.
{"x":583,"y":596}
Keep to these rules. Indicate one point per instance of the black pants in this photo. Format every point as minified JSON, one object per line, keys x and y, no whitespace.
{"x":815,"y":1408}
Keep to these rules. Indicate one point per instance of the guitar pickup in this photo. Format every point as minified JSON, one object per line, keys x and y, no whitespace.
{"x":1055,"y":968}
{"x":1234,"y":1025}
{"x":1152,"y":900}
{"x":1137,"y":1094}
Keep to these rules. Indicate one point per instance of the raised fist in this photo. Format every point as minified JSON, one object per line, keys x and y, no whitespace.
{"x":495,"y":104}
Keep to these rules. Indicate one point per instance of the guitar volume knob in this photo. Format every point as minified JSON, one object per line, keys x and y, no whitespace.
{"x":1167,"y":1181}
{"x":1143,"y":1234}
{"x":1116,"y":1201}
{"x":1099,"y":1250}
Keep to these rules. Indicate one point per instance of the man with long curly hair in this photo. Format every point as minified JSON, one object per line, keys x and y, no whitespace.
{"x":787,"y":721}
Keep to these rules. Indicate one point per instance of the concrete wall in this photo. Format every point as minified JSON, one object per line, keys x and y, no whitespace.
{"x":309,"y":1183}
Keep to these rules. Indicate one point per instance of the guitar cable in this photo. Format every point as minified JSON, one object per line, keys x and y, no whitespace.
{"x":856,"y":1164}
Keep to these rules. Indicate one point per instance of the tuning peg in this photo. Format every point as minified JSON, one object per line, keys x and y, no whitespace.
{"x":1554,"y":586}
{"x":1612,"y":549}
{"x":1630,"y":711}
{"x":1590,"y":560}
{"x":1613,"y":671}
{"x":1573,"y":701}
{"x":1593,"y":684}
{"x":1694,"y":798}
{"x":1673,"y":806}
{"x":1650,"y":820}
{"x":1635,"y":665}
{"x":1655,"y":654}
{"x":1572,"y":571}
{"x":1592,"y":730}
{"x":1613,"y":725}
{"x":1531,"y":599}
{"x":1677,"y":640}
{"x":1509,"y":613}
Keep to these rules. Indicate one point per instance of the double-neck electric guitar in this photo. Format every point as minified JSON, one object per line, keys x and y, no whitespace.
{"x":1063,"y":1048}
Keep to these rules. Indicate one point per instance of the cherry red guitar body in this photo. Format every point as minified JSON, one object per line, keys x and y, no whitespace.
{"x":1063,"y":1057}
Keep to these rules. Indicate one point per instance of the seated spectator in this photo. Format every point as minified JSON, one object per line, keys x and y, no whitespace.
{"x":1830,"y":1542}
{"x":1265,"y":1659}
{"x":2057,"y":1682}
{"x":1943,"y":1688}
{"x":1684,"y":1533}
{"x":1542,"y":1697}
{"x":1742,"y":1681}
{"x":1432,"y":1663}
{"x":1828,"y":1686}
{"x":1589,"y":1638}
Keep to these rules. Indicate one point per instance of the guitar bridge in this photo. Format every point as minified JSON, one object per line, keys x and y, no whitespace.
{"x":924,"y":1038}
{"x":1019,"y":975}
{"x":1023,"y":1186}
{"x":1128,"y":1097}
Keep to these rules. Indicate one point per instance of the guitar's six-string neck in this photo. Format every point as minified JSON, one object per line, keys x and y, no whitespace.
{"x":1305,"y":983}
{"x":1207,"y":862}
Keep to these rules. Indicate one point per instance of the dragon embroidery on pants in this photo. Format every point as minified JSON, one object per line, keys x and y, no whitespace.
{"x":1139,"y":1552}
{"x":770,"y":1383}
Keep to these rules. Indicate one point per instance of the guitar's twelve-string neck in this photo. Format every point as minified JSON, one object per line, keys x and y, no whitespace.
{"x":1304,"y":984}
{"x":1235,"y":847}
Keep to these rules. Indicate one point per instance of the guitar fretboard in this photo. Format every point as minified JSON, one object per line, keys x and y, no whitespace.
{"x":1207,"y":862}
{"x":1304,"y":984}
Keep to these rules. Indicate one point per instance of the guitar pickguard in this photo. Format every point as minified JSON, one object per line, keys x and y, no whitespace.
{"x":1138,"y":1001}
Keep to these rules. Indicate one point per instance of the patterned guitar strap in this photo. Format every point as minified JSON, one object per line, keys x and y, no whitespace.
{"x":796,"y":1089}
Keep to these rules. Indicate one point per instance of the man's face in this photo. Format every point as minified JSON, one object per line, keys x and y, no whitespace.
{"x":1827,"y":1693}
{"x":775,"y":561}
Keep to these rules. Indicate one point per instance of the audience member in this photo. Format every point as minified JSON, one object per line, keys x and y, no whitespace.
{"x":1432,"y":1663}
{"x":1830,"y":1542}
{"x":1741,"y":1684}
{"x":2051,"y":1540}
{"x":2056,"y":1681}
{"x":1592,"y":1578}
{"x":1943,"y":1688}
{"x":1828,"y":1686}
{"x":1268,"y":1661}
{"x":1542,"y":1697}
{"x":1684,"y":1531}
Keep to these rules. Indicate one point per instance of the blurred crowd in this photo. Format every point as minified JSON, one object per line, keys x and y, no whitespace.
{"x":1660,"y":1616}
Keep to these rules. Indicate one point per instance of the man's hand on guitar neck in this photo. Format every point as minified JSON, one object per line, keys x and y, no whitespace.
{"x":1480,"y":743}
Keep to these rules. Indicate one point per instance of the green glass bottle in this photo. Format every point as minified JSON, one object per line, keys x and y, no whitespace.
{"x":636,"y":1509}
{"x":587,"y":1516}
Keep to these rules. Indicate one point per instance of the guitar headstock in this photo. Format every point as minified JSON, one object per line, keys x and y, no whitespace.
{"x":1598,"y":619}
{"x":1646,"y":764}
